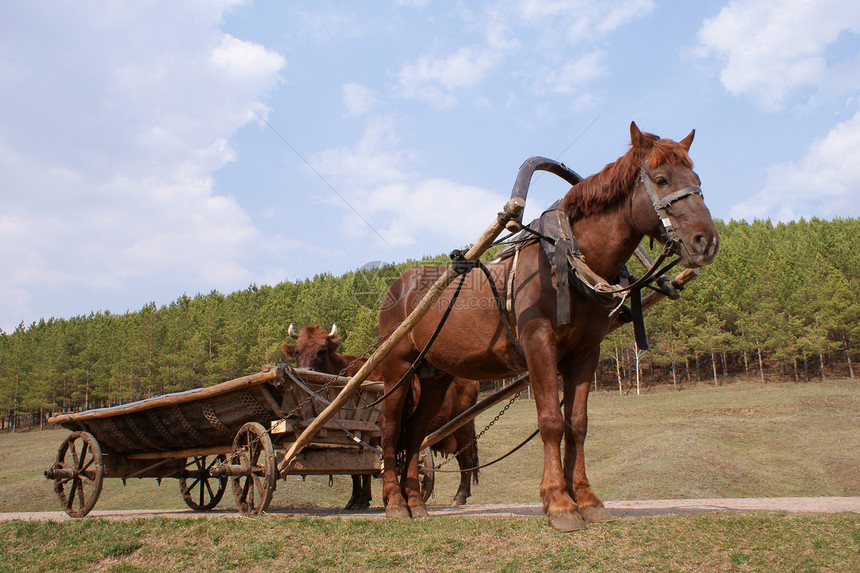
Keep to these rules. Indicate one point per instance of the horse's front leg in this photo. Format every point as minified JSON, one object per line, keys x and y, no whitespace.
{"x":558,"y":504}
{"x":577,"y":384}
{"x":432,"y":394}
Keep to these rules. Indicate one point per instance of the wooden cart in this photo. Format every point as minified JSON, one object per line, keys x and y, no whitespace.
{"x":235,"y":432}
{"x":207,"y":437}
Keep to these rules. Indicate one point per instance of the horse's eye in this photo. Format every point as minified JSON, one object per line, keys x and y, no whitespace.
{"x":660,"y":180}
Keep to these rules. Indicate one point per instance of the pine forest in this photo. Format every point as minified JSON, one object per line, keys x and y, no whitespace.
{"x":781,"y":303}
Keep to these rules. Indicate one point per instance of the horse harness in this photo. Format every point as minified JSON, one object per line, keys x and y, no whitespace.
{"x":552,"y":229}
{"x":568,"y":265}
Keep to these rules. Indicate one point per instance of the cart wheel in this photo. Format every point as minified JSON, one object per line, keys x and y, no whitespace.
{"x":253,"y":451}
{"x":426,"y":474}
{"x":79,"y":466}
{"x":204,"y":491}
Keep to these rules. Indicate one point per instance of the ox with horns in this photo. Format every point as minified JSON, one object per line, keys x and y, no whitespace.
{"x":315,"y":349}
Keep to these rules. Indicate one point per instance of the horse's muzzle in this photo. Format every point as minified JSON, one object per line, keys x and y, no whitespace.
{"x":701,"y":250}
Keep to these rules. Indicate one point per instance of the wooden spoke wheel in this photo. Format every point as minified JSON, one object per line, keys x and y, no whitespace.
{"x":201,"y":491}
{"x":426,"y":474}
{"x":78,"y":473}
{"x":254,"y":455}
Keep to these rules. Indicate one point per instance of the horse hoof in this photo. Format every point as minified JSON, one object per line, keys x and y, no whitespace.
{"x":419,"y":512}
{"x":596,"y":514}
{"x":566,"y":521}
{"x":397,"y":512}
{"x":458,"y":500}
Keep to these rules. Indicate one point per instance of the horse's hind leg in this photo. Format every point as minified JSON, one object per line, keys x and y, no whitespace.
{"x":466,"y":459}
{"x":577,"y":384}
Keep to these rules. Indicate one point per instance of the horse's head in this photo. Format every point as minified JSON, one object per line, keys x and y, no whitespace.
{"x":667,"y":202}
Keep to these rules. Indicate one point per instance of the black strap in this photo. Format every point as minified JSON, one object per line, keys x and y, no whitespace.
{"x":638,"y":319}
{"x":562,"y":278}
{"x":501,"y":306}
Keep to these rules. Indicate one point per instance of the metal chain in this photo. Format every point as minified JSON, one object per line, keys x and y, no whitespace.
{"x":484,"y":431}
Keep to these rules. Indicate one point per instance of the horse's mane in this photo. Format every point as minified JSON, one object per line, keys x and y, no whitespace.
{"x":617,"y":180}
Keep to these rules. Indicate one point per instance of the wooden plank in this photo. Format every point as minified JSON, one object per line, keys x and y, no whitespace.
{"x":513,"y":208}
{"x":273,"y":404}
{"x":270,"y":373}
{"x":333,"y":380}
{"x":188,"y":453}
{"x":351,"y":425}
{"x":335,"y":461}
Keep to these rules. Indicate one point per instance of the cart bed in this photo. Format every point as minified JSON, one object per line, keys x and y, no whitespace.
{"x":208,"y":418}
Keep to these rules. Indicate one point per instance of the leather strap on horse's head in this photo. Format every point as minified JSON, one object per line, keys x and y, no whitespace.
{"x":662,"y":205}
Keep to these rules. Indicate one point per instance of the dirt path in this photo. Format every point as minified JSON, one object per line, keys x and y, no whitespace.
{"x":618,"y":508}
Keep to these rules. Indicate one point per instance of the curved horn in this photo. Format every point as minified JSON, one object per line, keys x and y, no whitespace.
{"x":292,"y":331}
{"x":333,"y":332}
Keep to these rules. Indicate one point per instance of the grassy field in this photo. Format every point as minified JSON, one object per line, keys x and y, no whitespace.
{"x":738,"y":440}
{"x":700,"y":543}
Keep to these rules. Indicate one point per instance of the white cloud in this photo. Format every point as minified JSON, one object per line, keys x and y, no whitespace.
{"x":544,"y":41}
{"x":432,"y":211}
{"x":582,"y":20}
{"x":438,"y":79}
{"x":825,"y":183}
{"x":324,"y":25}
{"x":358,"y":99}
{"x":574,"y":74}
{"x":771,"y":49}
{"x":376,"y":158}
{"x":391,"y":200}
{"x":108,"y":160}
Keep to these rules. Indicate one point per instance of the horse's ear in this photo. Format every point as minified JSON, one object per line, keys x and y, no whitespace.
{"x":687,"y":141}
{"x":635,"y":135}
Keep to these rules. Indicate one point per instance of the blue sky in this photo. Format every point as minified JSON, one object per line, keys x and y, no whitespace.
{"x":151,"y":149}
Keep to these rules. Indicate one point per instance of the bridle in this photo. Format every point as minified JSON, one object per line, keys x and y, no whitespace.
{"x":662,"y":205}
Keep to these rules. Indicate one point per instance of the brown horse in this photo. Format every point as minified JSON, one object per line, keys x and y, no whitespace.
{"x":609,"y":213}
